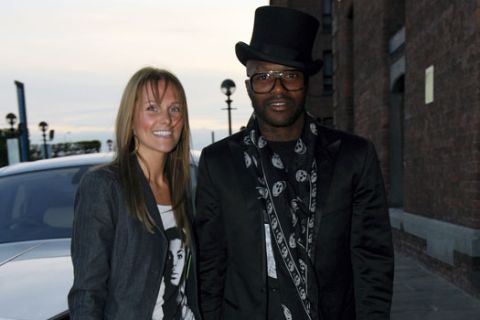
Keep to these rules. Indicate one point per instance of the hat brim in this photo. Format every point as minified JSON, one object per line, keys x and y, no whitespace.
{"x":245,"y":52}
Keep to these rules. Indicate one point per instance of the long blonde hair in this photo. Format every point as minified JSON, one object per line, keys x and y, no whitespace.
{"x":177,"y":168}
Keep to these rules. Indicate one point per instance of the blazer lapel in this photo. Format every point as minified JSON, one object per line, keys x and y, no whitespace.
{"x":253,"y":205}
{"x":245,"y":180}
{"x":325,"y":153}
{"x":150,"y":201}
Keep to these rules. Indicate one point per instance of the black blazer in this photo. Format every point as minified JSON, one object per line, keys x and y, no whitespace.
{"x":117,"y":264}
{"x":354,"y":255}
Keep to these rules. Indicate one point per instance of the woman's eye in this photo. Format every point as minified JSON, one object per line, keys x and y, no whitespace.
{"x":175,"y":109}
{"x":152,"y":107}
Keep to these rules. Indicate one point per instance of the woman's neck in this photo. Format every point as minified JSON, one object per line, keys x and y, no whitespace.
{"x":154,"y":170}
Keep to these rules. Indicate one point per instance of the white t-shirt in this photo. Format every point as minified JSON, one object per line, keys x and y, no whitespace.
{"x":172,"y":300}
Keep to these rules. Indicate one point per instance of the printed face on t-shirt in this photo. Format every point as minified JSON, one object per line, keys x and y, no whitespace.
{"x":177,"y":253}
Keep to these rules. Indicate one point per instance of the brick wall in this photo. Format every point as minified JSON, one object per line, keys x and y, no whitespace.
{"x":442,"y":139}
{"x":370,"y":72}
{"x":343,"y":65}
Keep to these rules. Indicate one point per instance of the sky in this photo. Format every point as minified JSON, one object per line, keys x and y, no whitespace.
{"x":76,"y":56}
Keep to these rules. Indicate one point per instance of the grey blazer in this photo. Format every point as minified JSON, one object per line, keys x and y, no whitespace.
{"x":118,"y":265}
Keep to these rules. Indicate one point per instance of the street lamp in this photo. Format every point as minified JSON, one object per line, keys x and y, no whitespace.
{"x":109,"y":144}
{"x":228,"y":88}
{"x":44,"y":127}
{"x":11,"y":119}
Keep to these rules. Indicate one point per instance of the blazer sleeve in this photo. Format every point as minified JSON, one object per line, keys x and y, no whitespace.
{"x":210,"y":233}
{"x":92,"y":240}
{"x":371,"y":242}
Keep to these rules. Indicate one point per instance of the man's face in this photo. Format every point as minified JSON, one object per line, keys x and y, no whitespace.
{"x":279,"y":108}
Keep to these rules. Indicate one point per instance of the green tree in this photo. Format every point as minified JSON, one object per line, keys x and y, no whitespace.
{"x":89,"y":146}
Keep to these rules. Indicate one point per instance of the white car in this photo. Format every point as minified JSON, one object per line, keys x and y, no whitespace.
{"x":36,"y":214}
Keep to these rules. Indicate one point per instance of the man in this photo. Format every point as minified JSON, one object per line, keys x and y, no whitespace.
{"x":291,"y":216}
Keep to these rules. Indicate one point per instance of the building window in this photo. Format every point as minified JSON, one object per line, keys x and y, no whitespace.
{"x":327,"y":16}
{"x":327,"y":73}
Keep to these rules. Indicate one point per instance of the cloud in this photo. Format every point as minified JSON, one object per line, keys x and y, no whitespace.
{"x":75,"y":57}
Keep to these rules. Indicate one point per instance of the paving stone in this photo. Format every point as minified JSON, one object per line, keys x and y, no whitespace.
{"x":419,"y":294}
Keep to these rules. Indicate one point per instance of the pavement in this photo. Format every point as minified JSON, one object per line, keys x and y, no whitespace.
{"x":419,"y":294}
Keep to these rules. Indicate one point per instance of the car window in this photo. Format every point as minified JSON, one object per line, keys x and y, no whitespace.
{"x":38,"y":205}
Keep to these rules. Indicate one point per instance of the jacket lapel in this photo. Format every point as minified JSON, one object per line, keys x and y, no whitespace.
{"x":248,"y":187}
{"x":150,"y":202}
{"x":245,"y":179}
{"x":326,"y":152}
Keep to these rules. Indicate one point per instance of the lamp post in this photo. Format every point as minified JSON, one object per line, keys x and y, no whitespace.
{"x":109,"y":144}
{"x":44,"y":127}
{"x":12,"y":140}
{"x":228,"y":88}
{"x":11,"y":119}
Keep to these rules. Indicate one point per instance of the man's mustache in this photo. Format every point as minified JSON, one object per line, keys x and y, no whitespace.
{"x":289,"y":101}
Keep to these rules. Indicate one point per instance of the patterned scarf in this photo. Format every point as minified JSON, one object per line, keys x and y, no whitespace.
{"x":289,"y":195}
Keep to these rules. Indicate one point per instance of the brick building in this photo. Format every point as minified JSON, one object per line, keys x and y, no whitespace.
{"x":407,"y":76}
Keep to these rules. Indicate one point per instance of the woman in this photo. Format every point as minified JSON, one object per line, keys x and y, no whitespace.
{"x":128,"y":212}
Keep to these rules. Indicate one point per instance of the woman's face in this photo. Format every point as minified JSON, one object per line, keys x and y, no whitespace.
{"x":177,"y":253}
{"x":157,"y":126}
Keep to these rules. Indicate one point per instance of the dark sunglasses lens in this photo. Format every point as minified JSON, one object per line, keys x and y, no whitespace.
{"x":292,"y":80}
{"x":264,"y":82}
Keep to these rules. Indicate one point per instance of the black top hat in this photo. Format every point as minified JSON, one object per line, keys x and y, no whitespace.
{"x":283,"y":36}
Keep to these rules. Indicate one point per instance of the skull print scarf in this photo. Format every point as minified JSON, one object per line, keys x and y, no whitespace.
{"x":289,"y":196}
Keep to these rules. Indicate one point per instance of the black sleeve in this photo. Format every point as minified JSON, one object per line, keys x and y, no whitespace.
{"x":211,"y":242}
{"x":371,"y":243}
